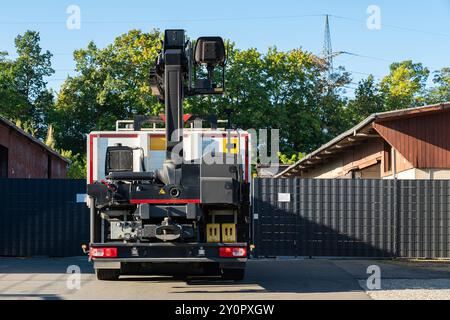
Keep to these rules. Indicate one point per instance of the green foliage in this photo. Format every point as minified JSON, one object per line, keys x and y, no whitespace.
{"x":31,"y":66}
{"x":441,"y":90}
{"x":50,"y":139}
{"x":288,"y":91}
{"x":23,"y":92}
{"x":28,"y":126}
{"x":368,"y":100}
{"x":113,"y":84}
{"x":404,"y":87}
{"x":13,"y":105}
{"x":285,"y":159}
{"x":278,"y":90}
{"x":77,"y":167}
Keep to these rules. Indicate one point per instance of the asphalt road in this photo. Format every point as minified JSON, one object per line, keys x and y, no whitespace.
{"x":41,"y":278}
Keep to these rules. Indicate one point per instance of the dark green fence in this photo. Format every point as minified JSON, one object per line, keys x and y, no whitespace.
{"x":295,"y":217}
{"x":42,"y":217}
{"x":352,"y":218}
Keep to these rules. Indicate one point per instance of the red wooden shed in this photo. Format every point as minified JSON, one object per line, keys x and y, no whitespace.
{"x":24,"y":156}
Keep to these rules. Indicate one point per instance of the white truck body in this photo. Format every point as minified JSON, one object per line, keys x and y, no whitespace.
{"x":151,"y":144}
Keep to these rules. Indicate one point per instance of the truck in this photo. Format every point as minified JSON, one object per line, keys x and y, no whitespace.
{"x":168,"y":195}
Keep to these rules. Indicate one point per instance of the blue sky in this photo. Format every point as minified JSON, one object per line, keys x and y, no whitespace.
{"x":417,"y":30}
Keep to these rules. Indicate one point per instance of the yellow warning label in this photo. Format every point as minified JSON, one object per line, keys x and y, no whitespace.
{"x":231,"y":145}
{"x":157,"y":143}
{"x":162,"y":191}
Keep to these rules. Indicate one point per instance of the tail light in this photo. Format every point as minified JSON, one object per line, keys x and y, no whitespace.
{"x":103,"y":252}
{"x":232,"y":252}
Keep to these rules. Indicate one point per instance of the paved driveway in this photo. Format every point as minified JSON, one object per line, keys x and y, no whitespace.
{"x":41,"y":278}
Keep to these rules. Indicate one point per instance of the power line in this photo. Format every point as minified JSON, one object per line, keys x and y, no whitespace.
{"x":367,"y":57}
{"x":364,"y":73}
{"x":171,"y":20}
{"x":216,"y":19}
{"x":433,"y":33}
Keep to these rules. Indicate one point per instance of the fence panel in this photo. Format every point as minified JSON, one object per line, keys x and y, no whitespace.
{"x":352,"y":218}
{"x":42,"y":217}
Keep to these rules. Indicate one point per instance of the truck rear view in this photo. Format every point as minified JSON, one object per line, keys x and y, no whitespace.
{"x":172,"y":200}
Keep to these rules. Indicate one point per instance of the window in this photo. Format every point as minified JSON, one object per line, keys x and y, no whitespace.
{"x":387,"y":155}
{"x":49,"y":166}
{"x":3,"y":162}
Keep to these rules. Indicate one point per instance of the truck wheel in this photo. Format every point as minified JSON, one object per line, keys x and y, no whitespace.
{"x":107,"y":274}
{"x":233,"y":274}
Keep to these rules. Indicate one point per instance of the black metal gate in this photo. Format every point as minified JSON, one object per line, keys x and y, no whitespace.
{"x":352,"y":218}
{"x":42,"y":217}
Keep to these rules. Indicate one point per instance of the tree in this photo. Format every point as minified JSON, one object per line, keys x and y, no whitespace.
{"x":368,"y":100}
{"x":50,"y":139}
{"x":113,"y":84}
{"x":13,"y":105}
{"x":77,"y":167}
{"x":404,"y":87}
{"x":31,"y":66}
{"x":278,"y":90}
{"x":284,"y":159}
{"x":29,"y":70}
{"x":24,"y":96}
{"x":441,"y":91}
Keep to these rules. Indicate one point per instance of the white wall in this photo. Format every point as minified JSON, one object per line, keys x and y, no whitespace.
{"x":423,"y":174}
{"x":329,"y":170}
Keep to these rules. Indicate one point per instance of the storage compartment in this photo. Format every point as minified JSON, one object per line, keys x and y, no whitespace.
{"x":219,"y":191}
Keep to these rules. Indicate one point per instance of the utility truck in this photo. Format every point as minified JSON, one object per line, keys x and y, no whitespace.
{"x":169,"y":195}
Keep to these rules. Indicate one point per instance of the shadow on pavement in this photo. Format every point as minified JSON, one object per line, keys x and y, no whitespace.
{"x":28,"y":296}
{"x":262,"y":276}
{"x":43,"y":265}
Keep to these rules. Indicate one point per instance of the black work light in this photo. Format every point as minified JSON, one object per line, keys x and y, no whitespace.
{"x":210,"y":51}
{"x":174,"y":39}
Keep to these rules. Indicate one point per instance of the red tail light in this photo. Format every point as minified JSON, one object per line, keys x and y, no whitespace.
{"x":232,"y":252}
{"x":103,"y":252}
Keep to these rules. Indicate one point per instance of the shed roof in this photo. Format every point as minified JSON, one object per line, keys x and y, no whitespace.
{"x":357,"y":134}
{"x":33,"y":139}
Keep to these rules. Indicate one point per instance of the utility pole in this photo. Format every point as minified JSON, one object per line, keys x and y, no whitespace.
{"x":327,"y":52}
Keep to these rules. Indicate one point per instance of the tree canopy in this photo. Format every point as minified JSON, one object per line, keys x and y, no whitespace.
{"x":286,"y":90}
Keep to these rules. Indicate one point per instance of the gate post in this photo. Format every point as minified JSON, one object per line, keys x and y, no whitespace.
{"x":255,"y":216}
{"x":396,"y":219}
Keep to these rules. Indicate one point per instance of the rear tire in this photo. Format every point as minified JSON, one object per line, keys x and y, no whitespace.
{"x":107,"y":274}
{"x":233,"y":274}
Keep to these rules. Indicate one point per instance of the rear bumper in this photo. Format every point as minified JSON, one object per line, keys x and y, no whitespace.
{"x":168,"y":254}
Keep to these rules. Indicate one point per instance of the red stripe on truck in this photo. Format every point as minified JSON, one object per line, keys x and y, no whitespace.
{"x":118,"y":135}
{"x":91,"y":158}
{"x":164,"y":201}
